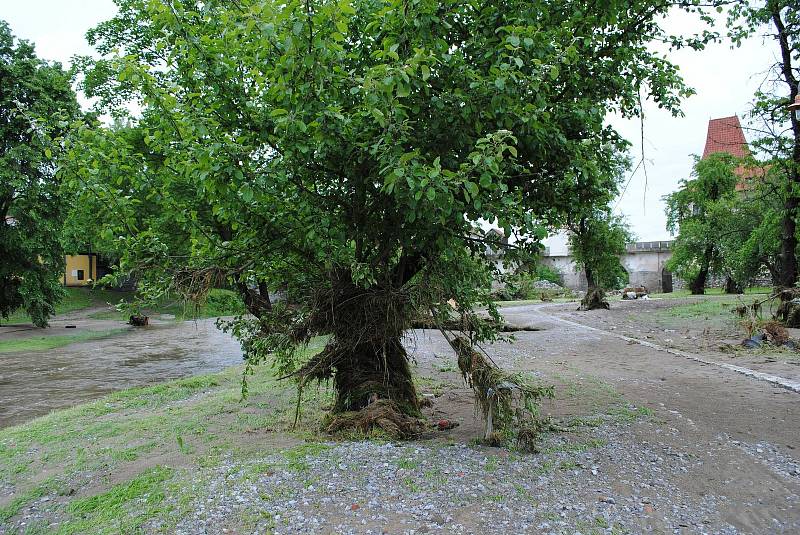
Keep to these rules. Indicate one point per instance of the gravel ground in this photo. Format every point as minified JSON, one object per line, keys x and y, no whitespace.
{"x":607,"y":485}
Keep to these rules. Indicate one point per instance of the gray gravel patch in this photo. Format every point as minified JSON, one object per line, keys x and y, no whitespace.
{"x":604,"y":485}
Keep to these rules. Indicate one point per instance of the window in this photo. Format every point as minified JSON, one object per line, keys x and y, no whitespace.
{"x":80,"y":274}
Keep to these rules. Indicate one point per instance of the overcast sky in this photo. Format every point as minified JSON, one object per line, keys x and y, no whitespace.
{"x":724,"y":79}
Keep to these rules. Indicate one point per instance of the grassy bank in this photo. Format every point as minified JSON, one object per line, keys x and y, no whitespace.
{"x":107,"y":466}
{"x":680,"y":294}
{"x":41,"y":343}
{"x":219,"y":303}
{"x":75,"y":299}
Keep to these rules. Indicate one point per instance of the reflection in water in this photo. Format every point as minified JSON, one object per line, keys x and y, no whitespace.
{"x":35,"y":383}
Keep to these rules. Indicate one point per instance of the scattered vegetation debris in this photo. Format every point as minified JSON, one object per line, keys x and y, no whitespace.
{"x":634,"y":292}
{"x":775,"y":333}
{"x":382,"y":414}
{"x":428,"y":322}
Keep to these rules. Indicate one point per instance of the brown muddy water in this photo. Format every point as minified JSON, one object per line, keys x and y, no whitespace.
{"x":33,"y":383}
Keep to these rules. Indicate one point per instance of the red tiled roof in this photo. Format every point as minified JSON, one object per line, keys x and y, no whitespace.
{"x":725,"y":135}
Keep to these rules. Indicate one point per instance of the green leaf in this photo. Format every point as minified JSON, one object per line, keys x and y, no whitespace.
{"x":426,"y":72}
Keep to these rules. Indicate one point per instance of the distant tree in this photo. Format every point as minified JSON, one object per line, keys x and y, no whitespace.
{"x":779,"y":135}
{"x":346,"y":152}
{"x":597,"y":242}
{"x":693,"y":213}
{"x":36,"y":106}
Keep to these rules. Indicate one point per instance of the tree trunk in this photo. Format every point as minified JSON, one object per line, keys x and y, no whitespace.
{"x":364,"y":357}
{"x":731,"y":287}
{"x":369,"y":372}
{"x":591,"y":283}
{"x":788,"y":256}
{"x":788,"y":260}
{"x":698,"y":285}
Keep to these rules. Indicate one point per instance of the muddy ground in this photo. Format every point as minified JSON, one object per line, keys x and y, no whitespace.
{"x":704,"y":326}
{"x":652,"y":442}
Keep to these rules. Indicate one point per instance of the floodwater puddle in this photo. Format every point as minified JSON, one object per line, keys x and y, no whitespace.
{"x":34,"y":383}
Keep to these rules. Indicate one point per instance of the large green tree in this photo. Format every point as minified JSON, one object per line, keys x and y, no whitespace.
{"x":346,"y":153}
{"x":695,"y":213}
{"x":778,"y":131}
{"x":596,"y":242}
{"x":36,"y":105}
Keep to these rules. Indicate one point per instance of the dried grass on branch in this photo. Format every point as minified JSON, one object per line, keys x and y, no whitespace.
{"x":507,"y":402}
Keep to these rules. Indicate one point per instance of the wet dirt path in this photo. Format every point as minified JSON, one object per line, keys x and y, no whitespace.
{"x":744,"y":431}
{"x":33,"y":383}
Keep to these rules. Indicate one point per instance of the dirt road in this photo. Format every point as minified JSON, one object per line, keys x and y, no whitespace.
{"x":742,"y":432}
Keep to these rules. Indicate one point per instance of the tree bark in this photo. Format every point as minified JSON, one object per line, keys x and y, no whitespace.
{"x":591,"y":282}
{"x":731,"y":287}
{"x":369,"y":372}
{"x":788,"y":255}
{"x":698,"y":285}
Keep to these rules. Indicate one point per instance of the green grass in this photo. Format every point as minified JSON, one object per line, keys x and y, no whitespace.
{"x":521,"y":302}
{"x":75,"y":299}
{"x":41,"y":343}
{"x":186,"y":424}
{"x":220,"y":302}
{"x":679,"y":294}
{"x":112,"y":511}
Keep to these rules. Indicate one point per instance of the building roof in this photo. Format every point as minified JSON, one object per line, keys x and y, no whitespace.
{"x":725,"y":135}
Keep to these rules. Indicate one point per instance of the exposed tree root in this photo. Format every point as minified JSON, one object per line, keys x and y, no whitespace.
{"x":382,"y":414}
{"x":594,"y":299}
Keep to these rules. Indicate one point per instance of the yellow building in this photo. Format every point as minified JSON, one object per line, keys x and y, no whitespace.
{"x":81,"y":269}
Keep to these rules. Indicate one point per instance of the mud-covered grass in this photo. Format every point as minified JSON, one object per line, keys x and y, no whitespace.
{"x":41,"y":343}
{"x":135,"y":460}
{"x":106,"y":465}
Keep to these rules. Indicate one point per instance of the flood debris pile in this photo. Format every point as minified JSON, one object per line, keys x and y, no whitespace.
{"x":507,"y":402}
{"x":772,"y":333}
{"x":635,"y":292}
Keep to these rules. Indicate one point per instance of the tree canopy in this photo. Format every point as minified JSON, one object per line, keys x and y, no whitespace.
{"x":37,"y":105}
{"x":347,"y":153}
{"x":777,"y":130}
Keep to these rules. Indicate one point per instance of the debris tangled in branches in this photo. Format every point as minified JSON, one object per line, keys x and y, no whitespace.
{"x":507,"y":402}
{"x":789,"y":309}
